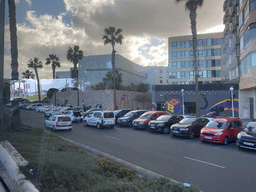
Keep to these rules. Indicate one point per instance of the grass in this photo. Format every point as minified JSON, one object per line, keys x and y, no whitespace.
{"x":57,"y":166}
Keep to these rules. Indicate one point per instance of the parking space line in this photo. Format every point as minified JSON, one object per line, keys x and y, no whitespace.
{"x":183,"y":141}
{"x":110,"y":137}
{"x":204,"y":162}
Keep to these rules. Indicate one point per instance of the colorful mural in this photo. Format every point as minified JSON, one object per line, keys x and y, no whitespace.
{"x":173,"y":106}
{"x":154,"y":107}
{"x":224,"y":105}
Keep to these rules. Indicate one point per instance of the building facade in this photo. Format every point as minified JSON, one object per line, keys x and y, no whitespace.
{"x":247,"y":37}
{"x":181,"y":64}
{"x":92,"y":69}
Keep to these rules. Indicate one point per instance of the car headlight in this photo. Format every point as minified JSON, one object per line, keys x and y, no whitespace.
{"x":239,"y":136}
{"x":218,"y":133}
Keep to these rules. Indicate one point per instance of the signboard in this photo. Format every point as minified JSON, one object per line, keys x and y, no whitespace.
{"x":173,"y":106}
{"x":124,"y":99}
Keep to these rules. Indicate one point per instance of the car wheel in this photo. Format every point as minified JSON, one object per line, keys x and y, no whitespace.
{"x":130,"y":124}
{"x":226,"y":141}
{"x":53,"y":128}
{"x":70,"y":129}
{"x":85,"y":123}
{"x":192,"y":135}
{"x":166,"y":130}
{"x":112,"y":127}
{"x":81,"y":120}
{"x":98,"y":126}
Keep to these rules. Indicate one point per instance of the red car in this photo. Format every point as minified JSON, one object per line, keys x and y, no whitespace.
{"x":145,"y":118}
{"x":221,"y":130}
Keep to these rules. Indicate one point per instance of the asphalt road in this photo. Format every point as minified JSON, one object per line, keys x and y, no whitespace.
{"x":212,"y":167}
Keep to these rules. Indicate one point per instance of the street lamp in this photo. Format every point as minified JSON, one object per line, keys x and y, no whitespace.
{"x":232,"y":89}
{"x":182,"y":93}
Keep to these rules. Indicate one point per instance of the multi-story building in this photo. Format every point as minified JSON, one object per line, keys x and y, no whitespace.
{"x":92,"y":70}
{"x":247,"y":37}
{"x":181,"y":64}
{"x":230,"y":54}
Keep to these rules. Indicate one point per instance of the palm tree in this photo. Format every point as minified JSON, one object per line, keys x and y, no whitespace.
{"x":36,"y":65}
{"x":54,"y":60}
{"x":28,"y":74}
{"x":13,"y":33}
{"x":75,"y":55}
{"x":191,"y":6}
{"x":113,"y":36}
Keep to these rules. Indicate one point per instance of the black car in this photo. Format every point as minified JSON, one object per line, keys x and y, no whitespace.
{"x":189,"y":127}
{"x":127,"y":119}
{"x":163,"y":123}
{"x":120,"y":113}
{"x":247,"y":137}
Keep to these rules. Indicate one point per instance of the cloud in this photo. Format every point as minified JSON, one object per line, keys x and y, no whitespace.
{"x":29,"y":2}
{"x":146,"y":26}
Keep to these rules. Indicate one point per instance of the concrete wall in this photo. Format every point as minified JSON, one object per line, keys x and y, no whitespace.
{"x":244,"y":102}
{"x":103,"y":97}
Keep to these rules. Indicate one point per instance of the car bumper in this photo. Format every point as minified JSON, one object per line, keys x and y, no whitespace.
{"x":246,"y":145}
{"x":180,"y":133}
{"x":122,"y":124}
{"x":140,"y":126}
{"x":63,"y":128}
{"x":156,"y":129}
{"x":213,"y":139}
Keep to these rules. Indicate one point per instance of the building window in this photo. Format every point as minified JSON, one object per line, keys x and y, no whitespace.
{"x":161,"y":81}
{"x":174,"y":45}
{"x":182,"y":44}
{"x":183,"y":64}
{"x":241,"y":19}
{"x":182,"y":54}
{"x":208,"y":42}
{"x":252,"y":5}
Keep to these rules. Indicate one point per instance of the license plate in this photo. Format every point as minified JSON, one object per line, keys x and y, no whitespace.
{"x":134,"y":124}
{"x":175,"y":131}
{"x":246,"y":143}
{"x":152,"y":127}
{"x":209,"y":138}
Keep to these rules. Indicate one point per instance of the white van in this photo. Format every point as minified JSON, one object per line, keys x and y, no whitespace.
{"x":100,"y":119}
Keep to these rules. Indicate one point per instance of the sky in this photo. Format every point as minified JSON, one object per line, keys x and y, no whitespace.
{"x":52,"y":26}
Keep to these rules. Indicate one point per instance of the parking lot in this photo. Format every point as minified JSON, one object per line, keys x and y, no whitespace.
{"x":210,"y":166}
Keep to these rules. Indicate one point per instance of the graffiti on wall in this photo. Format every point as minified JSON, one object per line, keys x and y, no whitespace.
{"x":224,"y":105}
{"x":154,"y":107}
{"x":173,"y":106}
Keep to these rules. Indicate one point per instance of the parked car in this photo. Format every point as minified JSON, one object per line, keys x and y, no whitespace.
{"x":221,"y":130}
{"x":52,"y":111}
{"x":163,"y":123}
{"x":120,"y":113}
{"x":189,"y":127}
{"x":247,"y":137}
{"x":127,"y":119}
{"x":34,"y":106}
{"x":100,"y":119}
{"x":90,"y":110}
{"x":75,"y":116}
{"x":57,"y":122}
{"x":145,"y":118}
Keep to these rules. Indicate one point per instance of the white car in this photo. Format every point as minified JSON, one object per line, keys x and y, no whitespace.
{"x":34,"y":106}
{"x":100,"y":119}
{"x":58,"y":122}
{"x":75,"y":116}
{"x":52,"y":111}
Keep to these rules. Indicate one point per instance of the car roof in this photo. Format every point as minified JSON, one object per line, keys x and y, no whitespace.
{"x":226,"y":118}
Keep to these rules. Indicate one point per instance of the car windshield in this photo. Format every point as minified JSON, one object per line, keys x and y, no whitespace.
{"x":145,"y":116}
{"x":130,"y":114}
{"x":187,"y":121}
{"x":250,"y":127}
{"x":61,"y":119}
{"x":116,"y":112}
{"x":163,"y":118}
{"x":217,"y":124}
{"x":109,"y":115}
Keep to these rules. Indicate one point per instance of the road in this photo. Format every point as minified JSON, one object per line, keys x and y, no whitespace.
{"x":212,"y":167}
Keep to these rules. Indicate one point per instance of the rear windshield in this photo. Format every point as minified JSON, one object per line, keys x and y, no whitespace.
{"x":61,"y":119}
{"x":109,"y":115}
{"x":217,"y":124}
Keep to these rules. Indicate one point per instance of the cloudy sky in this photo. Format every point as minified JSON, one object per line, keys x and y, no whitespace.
{"x":51,"y":27}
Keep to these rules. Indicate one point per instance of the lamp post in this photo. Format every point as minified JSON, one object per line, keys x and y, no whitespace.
{"x":182,"y":93}
{"x":232,"y":89}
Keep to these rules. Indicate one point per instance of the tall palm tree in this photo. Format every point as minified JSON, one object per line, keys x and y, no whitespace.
{"x":13,"y":33}
{"x":75,"y":55}
{"x":191,"y":6}
{"x":54,"y":60}
{"x":36,"y":65}
{"x":113,"y":36}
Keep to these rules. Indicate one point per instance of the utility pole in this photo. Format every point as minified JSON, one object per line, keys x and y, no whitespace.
{"x":2,"y":14}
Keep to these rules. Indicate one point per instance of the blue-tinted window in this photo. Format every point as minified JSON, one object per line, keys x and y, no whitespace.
{"x":209,"y":75}
{"x":178,"y":64}
{"x":254,"y":59}
{"x":174,"y":65}
{"x":241,"y":19}
{"x":191,"y":74}
{"x":209,"y":42}
{"x":182,"y":44}
{"x":204,"y":63}
{"x":199,"y":43}
{"x":191,"y":64}
{"x":174,"y":55}
{"x":178,"y":75}
{"x":187,"y":54}
{"x":187,"y":64}
{"x":187,"y":44}
{"x":209,"y":52}
{"x":191,"y":54}
{"x":204,"y":74}
{"x":182,"y":54}
{"x":190,"y":43}
{"x":178,"y":55}
{"x":187,"y":74}
{"x":200,"y":53}
{"x":200,"y":73}
{"x":252,"y":5}
{"x":200,"y":63}
{"x":183,"y":64}
{"x":178,"y":44}
{"x":182,"y":74}
{"x":174,"y":45}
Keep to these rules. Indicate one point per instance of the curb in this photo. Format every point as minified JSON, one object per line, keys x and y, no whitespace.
{"x":17,"y":178}
{"x":139,"y":170}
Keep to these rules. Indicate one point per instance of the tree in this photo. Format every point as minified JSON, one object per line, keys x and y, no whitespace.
{"x":144,"y":98}
{"x":28,"y":74}
{"x":36,"y":65}
{"x":74,"y":56}
{"x":113,"y":36}
{"x":191,"y":6}
{"x":143,"y":87}
{"x":13,"y":34}
{"x":54,"y":61}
